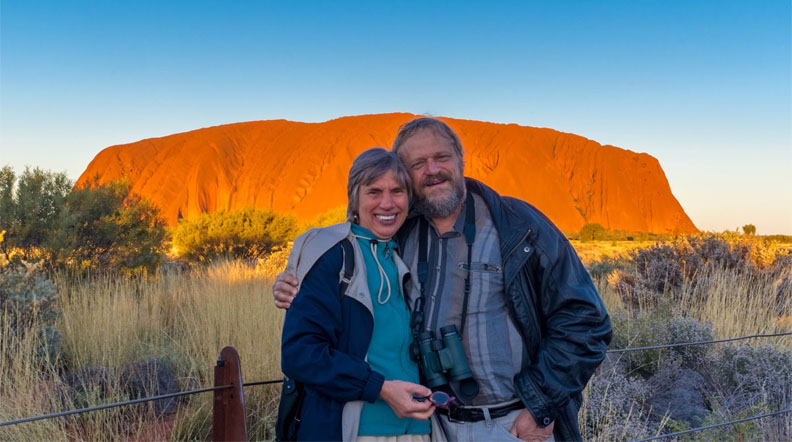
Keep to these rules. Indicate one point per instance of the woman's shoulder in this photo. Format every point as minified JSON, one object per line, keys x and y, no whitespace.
{"x":312,"y":245}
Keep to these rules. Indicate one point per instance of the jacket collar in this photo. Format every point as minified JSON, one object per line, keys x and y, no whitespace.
{"x":512,"y":228}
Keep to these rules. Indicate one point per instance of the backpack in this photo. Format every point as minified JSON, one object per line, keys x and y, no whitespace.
{"x":293,"y":392}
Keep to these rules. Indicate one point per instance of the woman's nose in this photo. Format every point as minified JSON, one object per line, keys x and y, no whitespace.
{"x":387,"y":201}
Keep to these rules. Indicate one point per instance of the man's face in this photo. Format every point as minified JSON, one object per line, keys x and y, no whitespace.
{"x":436,"y":171}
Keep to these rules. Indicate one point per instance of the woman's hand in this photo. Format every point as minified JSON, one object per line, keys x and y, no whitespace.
{"x":399,"y":395}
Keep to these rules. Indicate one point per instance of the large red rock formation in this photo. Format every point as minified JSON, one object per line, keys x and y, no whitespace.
{"x":301,"y":168}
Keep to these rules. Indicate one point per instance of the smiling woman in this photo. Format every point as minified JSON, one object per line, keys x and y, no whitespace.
{"x":343,"y":340}
{"x":383,"y":206}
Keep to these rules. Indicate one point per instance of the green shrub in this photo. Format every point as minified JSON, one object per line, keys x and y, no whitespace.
{"x":28,"y":304}
{"x":246,"y":233}
{"x":606,"y":265}
{"x":30,"y":208}
{"x":660,"y":326}
{"x":108,"y":228}
{"x":332,"y":216}
{"x":593,"y":232}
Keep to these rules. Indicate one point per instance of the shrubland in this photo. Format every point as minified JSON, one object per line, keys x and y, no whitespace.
{"x":689,"y":289}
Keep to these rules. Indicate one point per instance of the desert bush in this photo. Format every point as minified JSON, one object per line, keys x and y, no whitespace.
{"x":749,"y":229}
{"x":670,"y":267}
{"x":606,"y":265}
{"x":246,"y":234}
{"x":274,"y":263}
{"x":593,"y":232}
{"x":747,"y":376}
{"x":332,"y":216}
{"x":615,"y":407}
{"x":659,"y":326}
{"x":30,"y":207}
{"x":28,"y":304}
{"x":108,"y":228}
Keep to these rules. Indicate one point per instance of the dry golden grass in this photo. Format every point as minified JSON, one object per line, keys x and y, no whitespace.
{"x":185,"y":319}
{"x":590,"y":251}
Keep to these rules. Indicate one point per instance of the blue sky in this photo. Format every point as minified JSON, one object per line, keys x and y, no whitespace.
{"x":704,"y":86}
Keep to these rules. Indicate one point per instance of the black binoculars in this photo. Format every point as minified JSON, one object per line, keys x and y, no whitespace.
{"x":443,"y":361}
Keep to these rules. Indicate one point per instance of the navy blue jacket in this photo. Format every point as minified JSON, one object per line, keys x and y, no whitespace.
{"x":324,"y":344}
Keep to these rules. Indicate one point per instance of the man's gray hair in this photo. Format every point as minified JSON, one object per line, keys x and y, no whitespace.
{"x":410,"y":128}
{"x":367,"y":168}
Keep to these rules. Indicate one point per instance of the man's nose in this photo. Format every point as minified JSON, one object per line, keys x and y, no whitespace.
{"x":432,"y":167}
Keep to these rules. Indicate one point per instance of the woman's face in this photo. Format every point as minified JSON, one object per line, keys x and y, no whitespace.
{"x":383,"y":205}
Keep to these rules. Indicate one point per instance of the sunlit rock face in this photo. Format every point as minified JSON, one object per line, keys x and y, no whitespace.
{"x":301,"y":168}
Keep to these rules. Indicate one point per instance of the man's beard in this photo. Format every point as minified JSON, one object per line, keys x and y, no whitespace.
{"x":445,"y":206}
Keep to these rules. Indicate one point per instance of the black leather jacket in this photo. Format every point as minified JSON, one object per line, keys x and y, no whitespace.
{"x":556,"y":307}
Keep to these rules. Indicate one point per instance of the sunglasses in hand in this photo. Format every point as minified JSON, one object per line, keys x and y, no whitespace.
{"x":438,"y":398}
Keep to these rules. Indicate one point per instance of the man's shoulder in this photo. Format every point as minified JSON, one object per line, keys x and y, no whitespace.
{"x":509,"y":209}
{"x":517,"y":217}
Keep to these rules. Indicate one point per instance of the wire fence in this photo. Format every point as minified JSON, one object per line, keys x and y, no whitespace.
{"x":709,"y":427}
{"x":277,"y":381}
{"x":132,"y":402}
{"x":684,"y":344}
{"x":114,"y":404}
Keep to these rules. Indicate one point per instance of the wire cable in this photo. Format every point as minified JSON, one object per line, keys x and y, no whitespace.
{"x":709,"y":427}
{"x":250,"y":384}
{"x":114,"y":404}
{"x":683,"y":344}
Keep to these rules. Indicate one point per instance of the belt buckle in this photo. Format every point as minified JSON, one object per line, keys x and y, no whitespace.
{"x":453,"y":413}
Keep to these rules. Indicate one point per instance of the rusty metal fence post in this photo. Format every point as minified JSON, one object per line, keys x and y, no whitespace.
{"x":228,"y":416}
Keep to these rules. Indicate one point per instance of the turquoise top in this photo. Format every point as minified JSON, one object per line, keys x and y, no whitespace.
{"x":389,"y":351}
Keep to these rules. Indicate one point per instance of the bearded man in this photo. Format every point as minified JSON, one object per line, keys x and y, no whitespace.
{"x":532,"y":324}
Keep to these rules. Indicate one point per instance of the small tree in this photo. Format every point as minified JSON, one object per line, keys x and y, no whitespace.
{"x":246,"y":233}
{"x":749,"y":229}
{"x":30,"y":208}
{"x":107,"y":227}
{"x":593,"y":231}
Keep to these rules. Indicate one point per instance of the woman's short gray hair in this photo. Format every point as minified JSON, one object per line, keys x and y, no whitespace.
{"x":367,"y":168}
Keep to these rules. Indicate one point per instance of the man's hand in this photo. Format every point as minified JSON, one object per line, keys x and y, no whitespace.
{"x":525,"y":428}
{"x":284,"y":289}
{"x":399,"y":395}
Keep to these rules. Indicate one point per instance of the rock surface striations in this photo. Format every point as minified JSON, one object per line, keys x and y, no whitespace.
{"x":301,"y":168}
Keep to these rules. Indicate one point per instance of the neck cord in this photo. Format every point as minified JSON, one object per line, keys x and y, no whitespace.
{"x":383,"y":276}
{"x":423,"y":266}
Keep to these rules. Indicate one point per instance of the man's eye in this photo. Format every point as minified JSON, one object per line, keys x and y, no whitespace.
{"x":416,"y":166}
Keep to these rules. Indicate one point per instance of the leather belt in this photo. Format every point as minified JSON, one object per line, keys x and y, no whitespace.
{"x":460,"y":414}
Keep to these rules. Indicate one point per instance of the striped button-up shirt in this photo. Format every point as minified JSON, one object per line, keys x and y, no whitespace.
{"x":491,"y":341}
